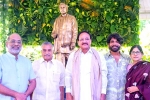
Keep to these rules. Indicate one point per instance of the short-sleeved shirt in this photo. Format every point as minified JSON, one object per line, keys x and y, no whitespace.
{"x":49,"y":77}
{"x":15,"y":74}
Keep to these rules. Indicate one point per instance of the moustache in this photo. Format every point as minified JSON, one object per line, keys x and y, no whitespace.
{"x":14,"y":47}
{"x":115,"y":46}
{"x":84,"y":43}
{"x":46,"y":55}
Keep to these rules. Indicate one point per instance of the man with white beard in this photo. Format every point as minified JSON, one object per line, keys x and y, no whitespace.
{"x":17,"y":79}
{"x":116,"y":64}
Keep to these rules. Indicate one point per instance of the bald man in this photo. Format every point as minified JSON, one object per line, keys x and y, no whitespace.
{"x":17,"y":79}
{"x":64,"y":32}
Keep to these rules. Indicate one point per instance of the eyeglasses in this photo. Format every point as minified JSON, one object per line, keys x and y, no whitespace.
{"x":13,"y":42}
{"x":135,"y":52}
{"x":82,"y":39}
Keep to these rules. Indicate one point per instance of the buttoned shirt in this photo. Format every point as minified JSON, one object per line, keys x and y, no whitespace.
{"x":49,"y":78}
{"x":116,"y":76}
{"x":15,"y":74}
{"x":85,"y":70}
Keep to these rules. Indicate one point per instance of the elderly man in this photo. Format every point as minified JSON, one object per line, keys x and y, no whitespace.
{"x":49,"y":76}
{"x":86,"y":72}
{"x":17,"y":79}
{"x":64,"y":33}
{"x":117,"y":68}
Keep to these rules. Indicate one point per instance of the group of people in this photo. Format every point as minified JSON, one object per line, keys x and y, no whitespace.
{"x":88,"y":74}
{"x":85,"y":73}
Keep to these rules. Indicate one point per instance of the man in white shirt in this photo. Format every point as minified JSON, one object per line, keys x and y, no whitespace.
{"x":86,"y":72}
{"x":49,"y":76}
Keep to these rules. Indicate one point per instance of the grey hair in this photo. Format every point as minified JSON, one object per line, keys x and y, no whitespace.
{"x":47,"y":43}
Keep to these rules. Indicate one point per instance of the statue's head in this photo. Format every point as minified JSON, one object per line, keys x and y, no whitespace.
{"x":63,"y":8}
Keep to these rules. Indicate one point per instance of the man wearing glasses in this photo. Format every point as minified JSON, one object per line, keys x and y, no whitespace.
{"x":17,"y":79}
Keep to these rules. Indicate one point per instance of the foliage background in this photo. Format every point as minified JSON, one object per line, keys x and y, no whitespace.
{"x":33,"y":19}
{"x":4,"y":17}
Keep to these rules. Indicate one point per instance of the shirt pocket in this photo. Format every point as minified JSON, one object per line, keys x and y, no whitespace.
{"x":56,"y":77}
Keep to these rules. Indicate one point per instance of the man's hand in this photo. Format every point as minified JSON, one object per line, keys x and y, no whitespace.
{"x":20,"y":96}
{"x":72,"y":46}
{"x":54,"y":36}
{"x":132,"y":89}
{"x":103,"y":97}
{"x":69,"y":96}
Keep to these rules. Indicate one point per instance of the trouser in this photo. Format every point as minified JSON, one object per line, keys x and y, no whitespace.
{"x":63,"y":57}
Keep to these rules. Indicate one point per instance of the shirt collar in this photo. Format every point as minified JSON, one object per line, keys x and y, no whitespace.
{"x":9,"y":54}
{"x":64,"y":16}
{"x":42,"y":60}
{"x":89,"y":51}
{"x":109,"y":54}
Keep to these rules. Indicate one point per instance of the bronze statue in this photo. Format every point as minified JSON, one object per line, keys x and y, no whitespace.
{"x":64,"y":32}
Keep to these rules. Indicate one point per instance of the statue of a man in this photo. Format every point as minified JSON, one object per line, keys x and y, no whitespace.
{"x":64,"y":32}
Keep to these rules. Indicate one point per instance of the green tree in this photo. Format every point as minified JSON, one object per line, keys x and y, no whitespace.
{"x":3,"y":23}
{"x":33,"y":19}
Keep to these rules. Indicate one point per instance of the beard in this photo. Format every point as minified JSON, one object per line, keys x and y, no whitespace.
{"x":114,"y":48}
{"x":12,"y":50}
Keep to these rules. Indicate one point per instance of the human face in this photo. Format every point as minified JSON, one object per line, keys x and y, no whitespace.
{"x":84,"y":42}
{"x":63,"y":9}
{"x":114,"y":45}
{"x":14,"y":44}
{"x":136,"y":55}
{"x":47,"y":52}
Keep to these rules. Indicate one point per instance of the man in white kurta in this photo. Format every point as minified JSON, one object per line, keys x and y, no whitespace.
{"x":85,"y":53}
{"x":49,"y":76}
{"x":85,"y":89}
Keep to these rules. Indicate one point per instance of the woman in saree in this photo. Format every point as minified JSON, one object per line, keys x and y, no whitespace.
{"x":138,"y":77}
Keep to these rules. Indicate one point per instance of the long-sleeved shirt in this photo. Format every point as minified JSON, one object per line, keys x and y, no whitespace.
{"x":15,"y":74}
{"x":116,"y":76}
{"x":85,"y":66}
{"x":49,"y":78}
